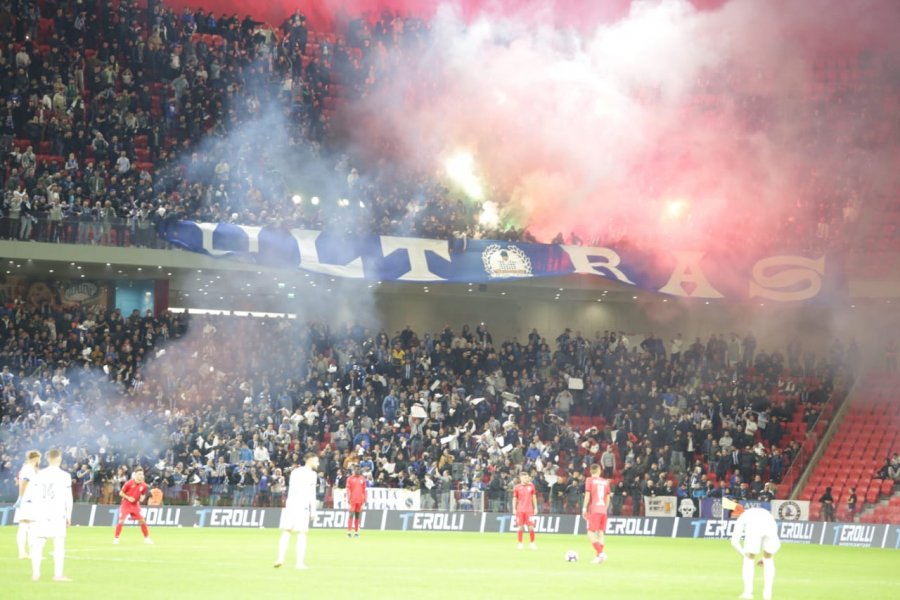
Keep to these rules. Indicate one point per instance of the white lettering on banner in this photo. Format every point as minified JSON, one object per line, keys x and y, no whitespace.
{"x":336,"y":519}
{"x":162,"y":516}
{"x":718,"y":529}
{"x":309,"y":257}
{"x":381,"y":499}
{"x":438,"y":521}
{"x":796,"y":532}
{"x":207,"y":230}
{"x":687,"y":270}
{"x":542,"y":523}
{"x":416,"y":252}
{"x":623,"y":526}
{"x":236,"y":517}
{"x":596,"y":261}
{"x":660,"y":506}
{"x":252,"y":238}
{"x":857,"y":533}
{"x":773,"y":280}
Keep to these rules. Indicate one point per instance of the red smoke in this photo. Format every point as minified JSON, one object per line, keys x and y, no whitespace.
{"x":718,"y":112}
{"x":323,"y":14}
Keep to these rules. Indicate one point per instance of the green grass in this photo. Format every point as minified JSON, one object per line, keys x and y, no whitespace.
{"x":229,"y":563}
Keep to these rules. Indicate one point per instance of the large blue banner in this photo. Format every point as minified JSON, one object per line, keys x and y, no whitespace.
{"x":390,"y":258}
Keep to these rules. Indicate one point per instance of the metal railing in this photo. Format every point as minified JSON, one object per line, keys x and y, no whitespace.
{"x":116,"y":232}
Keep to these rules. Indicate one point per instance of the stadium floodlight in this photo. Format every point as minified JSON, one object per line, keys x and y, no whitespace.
{"x":297,"y":199}
{"x":314,"y":200}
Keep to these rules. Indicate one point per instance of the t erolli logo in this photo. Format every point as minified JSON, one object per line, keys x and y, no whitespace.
{"x":853,"y":535}
{"x":502,"y":262}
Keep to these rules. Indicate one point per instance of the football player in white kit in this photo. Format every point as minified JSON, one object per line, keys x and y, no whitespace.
{"x":52,"y":493}
{"x":759,"y":531}
{"x":299,"y":508}
{"x":24,"y":514}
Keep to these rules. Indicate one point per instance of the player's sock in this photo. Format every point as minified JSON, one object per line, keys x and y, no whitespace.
{"x":598,"y":547}
{"x":749,"y":563}
{"x":520,"y":535}
{"x":118,"y":529}
{"x":59,"y":555}
{"x":531,"y":535}
{"x":22,"y":538}
{"x":144,"y":530}
{"x":356,"y":522}
{"x":768,"y":577}
{"x":36,"y":545}
{"x":301,"y":550}
{"x":283,"y":545}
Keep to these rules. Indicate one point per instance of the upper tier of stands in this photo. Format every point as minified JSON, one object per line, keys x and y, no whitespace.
{"x":120,"y":72}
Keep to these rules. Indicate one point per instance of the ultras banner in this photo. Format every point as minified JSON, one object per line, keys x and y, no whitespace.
{"x":388,"y":258}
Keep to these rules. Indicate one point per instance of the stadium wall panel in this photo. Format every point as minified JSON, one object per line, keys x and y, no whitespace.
{"x":799,"y":532}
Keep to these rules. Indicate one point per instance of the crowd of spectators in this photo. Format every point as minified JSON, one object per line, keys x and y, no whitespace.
{"x":214,"y":415}
{"x":113,"y":118}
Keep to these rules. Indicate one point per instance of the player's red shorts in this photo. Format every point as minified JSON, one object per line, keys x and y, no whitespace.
{"x":524,"y":519}
{"x":596,"y":522}
{"x":130,"y":510}
{"x":356,"y":507}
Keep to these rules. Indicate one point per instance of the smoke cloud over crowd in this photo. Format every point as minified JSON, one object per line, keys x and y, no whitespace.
{"x":672,"y":126}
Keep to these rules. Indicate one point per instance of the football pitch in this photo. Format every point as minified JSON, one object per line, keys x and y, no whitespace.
{"x":228,"y":563}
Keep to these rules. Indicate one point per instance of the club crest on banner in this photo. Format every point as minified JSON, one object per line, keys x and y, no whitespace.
{"x":717,"y":511}
{"x":500,"y":262}
{"x":789,"y":511}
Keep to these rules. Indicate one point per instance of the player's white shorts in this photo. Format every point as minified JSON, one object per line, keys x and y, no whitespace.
{"x":26,"y":512}
{"x":765,"y":540}
{"x":294,"y":519}
{"x":50,"y":528}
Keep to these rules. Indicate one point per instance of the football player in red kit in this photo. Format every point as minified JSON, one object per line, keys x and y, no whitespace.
{"x":594,"y":511}
{"x":133,"y":494}
{"x":525,"y":496}
{"x":356,"y":499}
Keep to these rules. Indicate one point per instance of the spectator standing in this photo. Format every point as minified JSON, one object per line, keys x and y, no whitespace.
{"x":851,"y":505}
{"x":827,"y":505}
{"x":608,"y":462}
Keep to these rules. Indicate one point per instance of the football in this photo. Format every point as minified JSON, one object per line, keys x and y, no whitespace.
{"x":571,"y":556}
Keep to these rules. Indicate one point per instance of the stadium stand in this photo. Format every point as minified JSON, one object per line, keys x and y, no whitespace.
{"x":83,"y":89}
{"x":114,"y":121}
{"x":855,"y":456}
{"x":215,"y":420}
